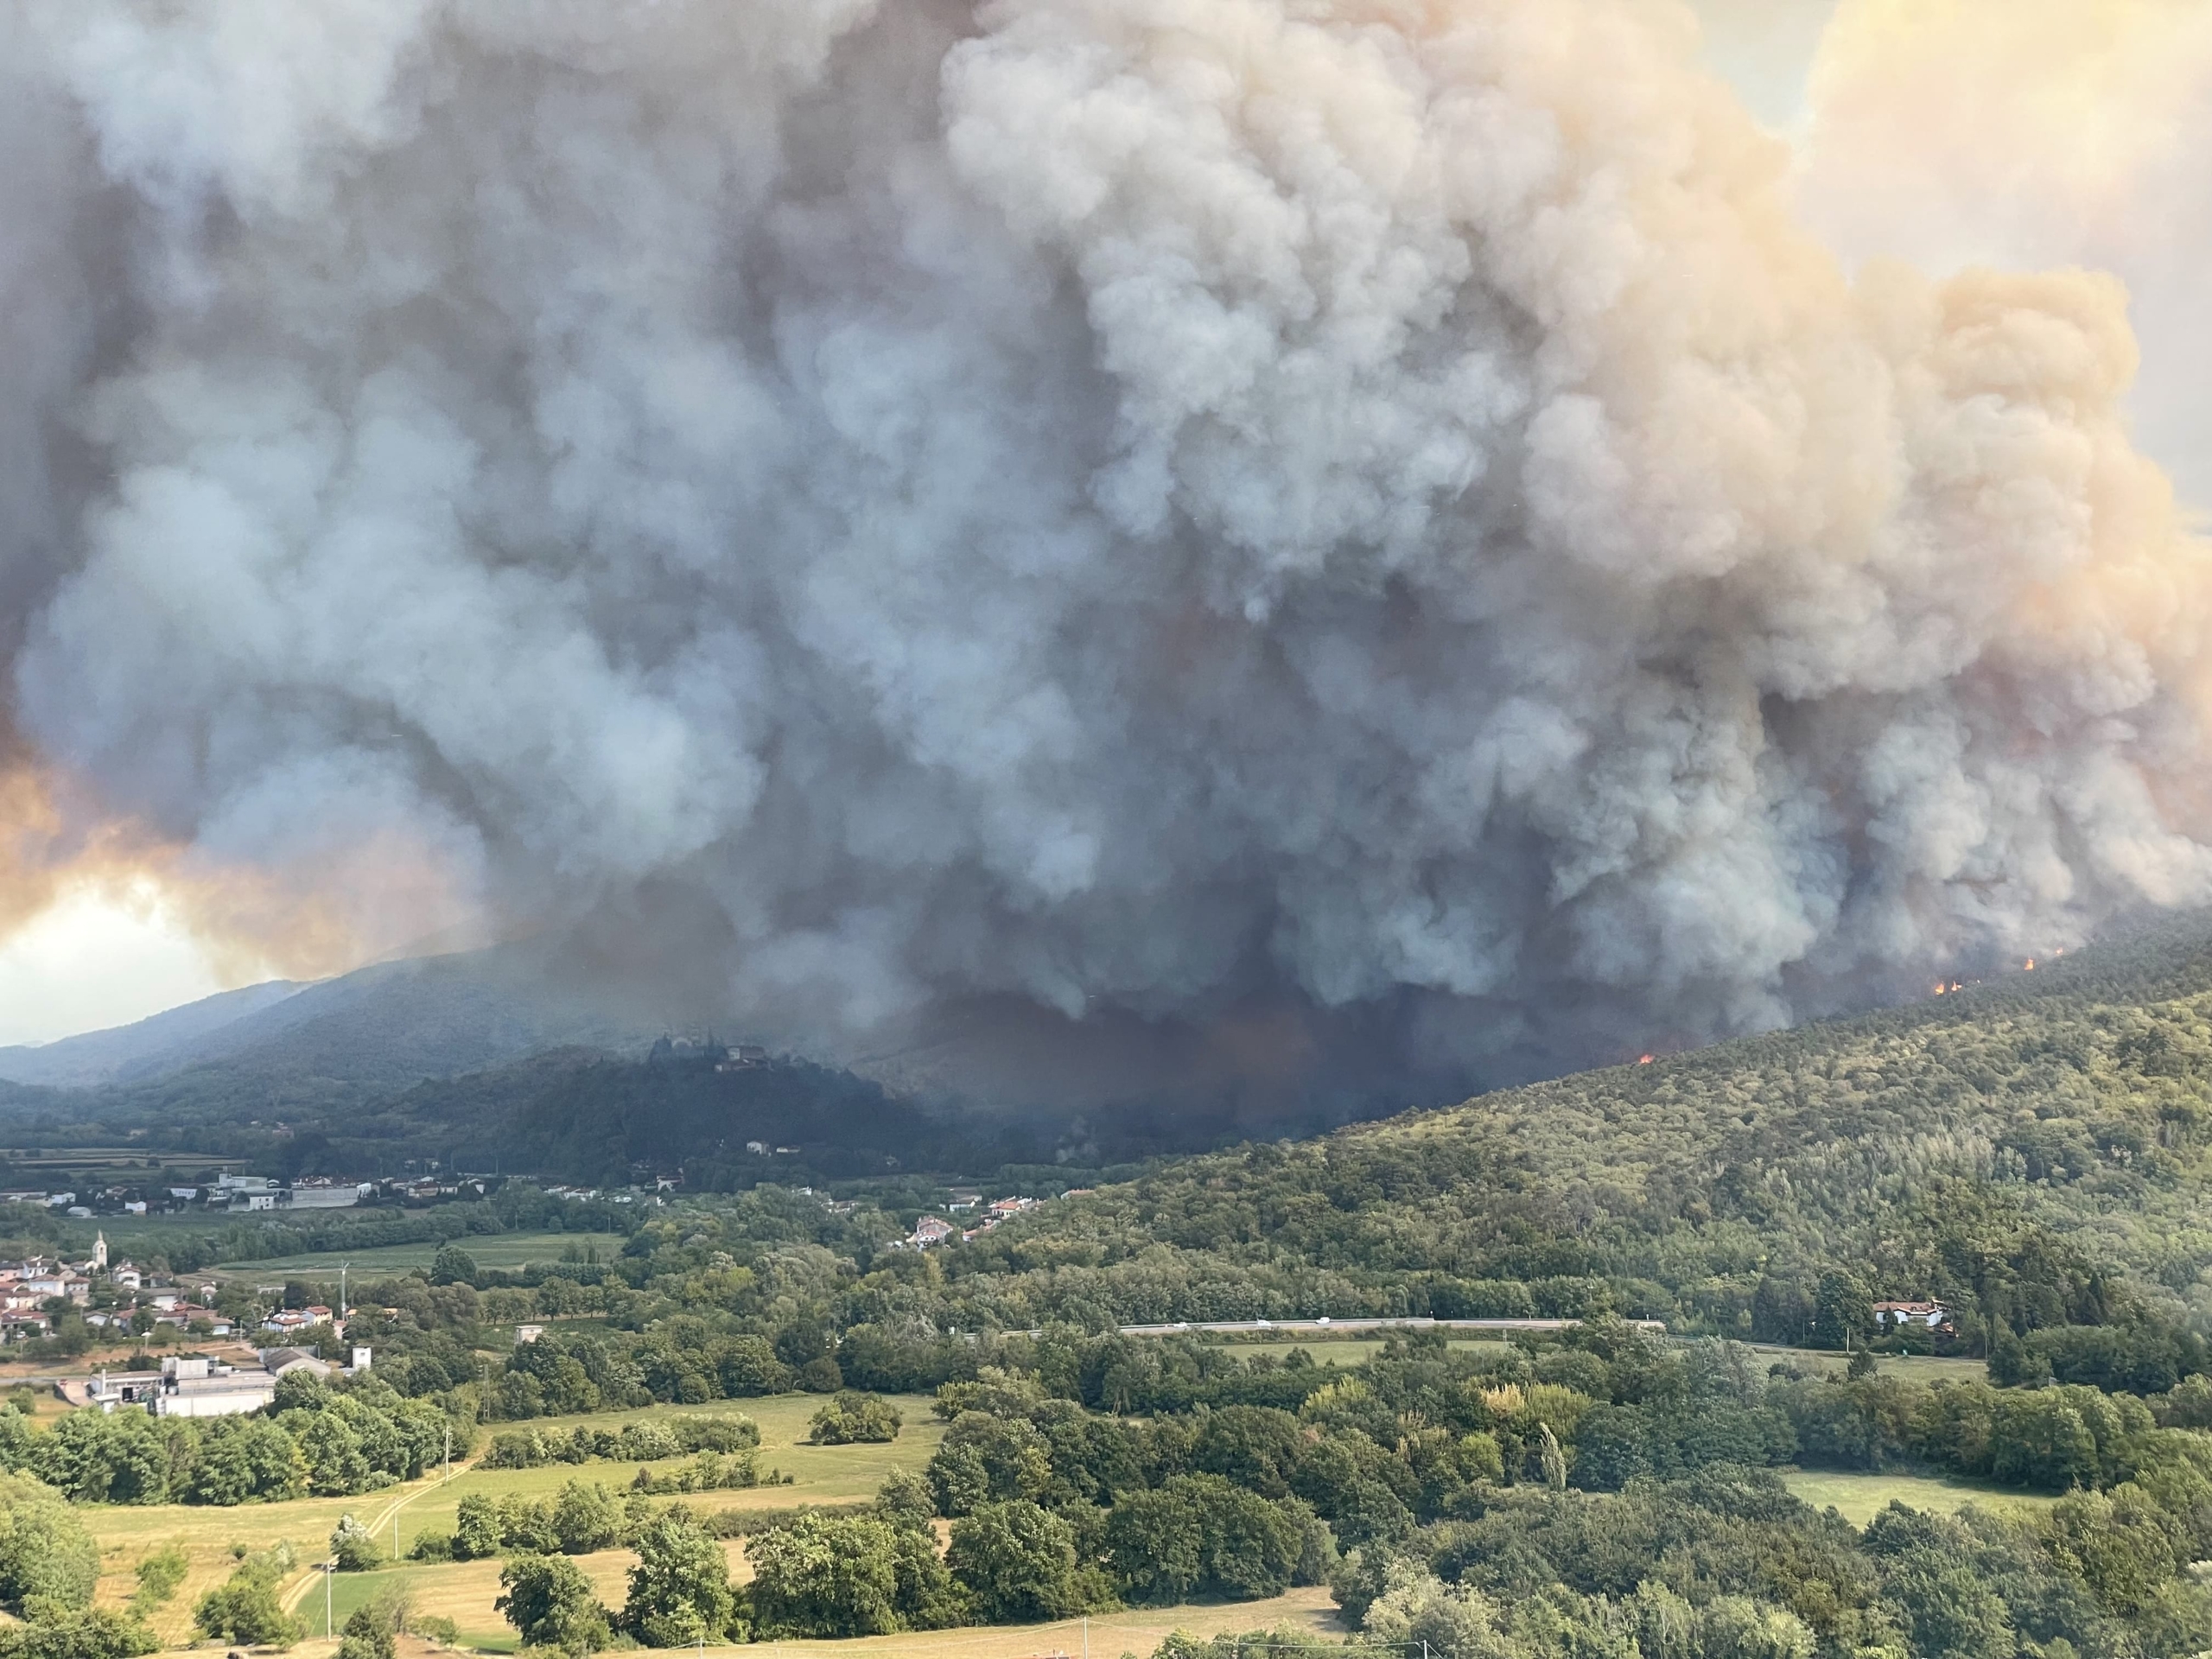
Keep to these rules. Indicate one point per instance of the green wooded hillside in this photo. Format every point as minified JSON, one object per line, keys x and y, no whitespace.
{"x":2034,"y":1150}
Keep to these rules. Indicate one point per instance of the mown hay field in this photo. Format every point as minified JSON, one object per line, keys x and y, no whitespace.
{"x":1860,"y":1499}
{"x":126,"y":1535}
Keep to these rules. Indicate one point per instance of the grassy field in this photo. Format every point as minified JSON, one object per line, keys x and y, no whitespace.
{"x":137,"y":1237}
{"x":1919,"y":1368}
{"x":489,"y":1251}
{"x":463,"y":1591}
{"x":1860,"y":1499}
{"x":127,"y":1535}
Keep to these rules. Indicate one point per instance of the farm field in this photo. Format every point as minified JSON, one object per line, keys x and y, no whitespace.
{"x":463,"y":1591}
{"x":1917,"y":1368}
{"x":1106,"y":1635}
{"x":127,"y":1534}
{"x":488,"y":1251}
{"x":1860,"y":1499}
{"x":134,"y":1236}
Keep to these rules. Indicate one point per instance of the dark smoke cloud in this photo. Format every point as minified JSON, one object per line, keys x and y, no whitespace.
{"x":1149,"y":510}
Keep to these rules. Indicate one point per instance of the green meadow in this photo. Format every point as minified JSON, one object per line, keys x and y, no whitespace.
{"x":1860,"y":1499}
{"x":127,"y":1534}
{"x":487,"y":1251}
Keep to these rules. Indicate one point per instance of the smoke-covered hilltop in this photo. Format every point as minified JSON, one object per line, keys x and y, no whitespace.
{"x":1318,"y":527}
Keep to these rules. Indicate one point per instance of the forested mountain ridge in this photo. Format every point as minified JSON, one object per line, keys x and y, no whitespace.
{"x":2034,"y":1150}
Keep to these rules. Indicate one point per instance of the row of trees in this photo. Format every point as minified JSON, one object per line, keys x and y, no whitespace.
{"x":315,"y":1440}
{"x":634,"y":1442}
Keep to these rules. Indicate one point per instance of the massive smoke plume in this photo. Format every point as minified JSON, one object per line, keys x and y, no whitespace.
{"x":1154,"y":509}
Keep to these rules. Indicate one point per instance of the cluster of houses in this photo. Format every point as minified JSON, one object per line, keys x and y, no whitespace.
{"x":27,"y":1289}
{"x":241,"y":1194}
{"x":111,"y":1198}
{"x":932,"y":1231}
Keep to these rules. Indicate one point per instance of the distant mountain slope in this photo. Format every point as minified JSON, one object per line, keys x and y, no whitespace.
{"x":300,"y":1054}
{"x":383,"y":1029}
{"x":593,"y":1116}
{"x":98,"y":1057}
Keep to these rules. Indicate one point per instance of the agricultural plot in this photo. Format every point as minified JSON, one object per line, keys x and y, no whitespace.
{"x":1915,"y":1368}
{"x":821,"y":1474}
{"x":1103,"y":1634}
{"x":1860,"y":1499}
{"x":464,"y":1592}
{"x":488,"y":1251}
{"x":126,"y":1535}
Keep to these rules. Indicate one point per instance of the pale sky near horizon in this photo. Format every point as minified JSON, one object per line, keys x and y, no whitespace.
{"x":93,"y":960}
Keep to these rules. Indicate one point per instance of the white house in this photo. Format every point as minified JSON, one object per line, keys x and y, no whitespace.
{"x":1892,"y":1316}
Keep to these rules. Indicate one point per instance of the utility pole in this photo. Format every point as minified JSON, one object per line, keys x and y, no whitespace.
{"x":342,"y":1265}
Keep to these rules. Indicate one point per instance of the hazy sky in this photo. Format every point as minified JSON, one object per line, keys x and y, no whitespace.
{"x":1765,"y":49}
{"x":2026,"y":132}
{"x":99,"y":959}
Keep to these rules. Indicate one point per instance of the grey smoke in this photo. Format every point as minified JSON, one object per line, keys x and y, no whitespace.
{"x":1140,"y":507}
